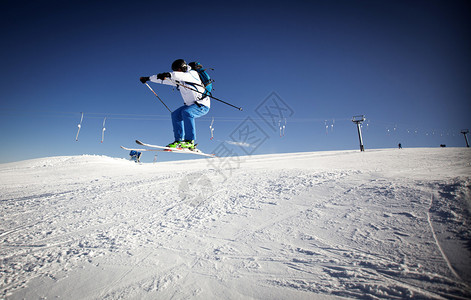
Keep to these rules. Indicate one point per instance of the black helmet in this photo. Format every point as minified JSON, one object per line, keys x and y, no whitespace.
{"x":180,"y":65}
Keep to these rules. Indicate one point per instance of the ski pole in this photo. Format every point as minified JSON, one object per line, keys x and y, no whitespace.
{"x":158,"y":97}
{"x":210,"y":96}
{"x":239,"y":108}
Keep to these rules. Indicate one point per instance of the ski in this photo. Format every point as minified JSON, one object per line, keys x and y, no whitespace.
{"x":198,"y":152}
{"x":141,"y":150}
{"x":168,"y":149}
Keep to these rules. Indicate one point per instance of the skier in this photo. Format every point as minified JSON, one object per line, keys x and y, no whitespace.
{"x":191,"y":88}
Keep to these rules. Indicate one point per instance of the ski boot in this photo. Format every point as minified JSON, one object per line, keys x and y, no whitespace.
{"x":175,"y":145}
{"x":188,"y":144}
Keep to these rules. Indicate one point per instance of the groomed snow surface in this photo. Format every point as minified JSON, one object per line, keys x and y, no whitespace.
{"x":383,"y":224}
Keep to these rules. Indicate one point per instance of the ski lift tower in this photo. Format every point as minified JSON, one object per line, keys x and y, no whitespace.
{"x":358,"y":120}
{"x":465,"y":132}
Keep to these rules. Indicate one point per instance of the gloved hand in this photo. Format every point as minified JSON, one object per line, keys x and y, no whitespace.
{"x":162,"y":76}
{"x":144,"y":79}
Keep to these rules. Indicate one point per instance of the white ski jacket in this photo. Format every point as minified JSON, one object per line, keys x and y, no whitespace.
{"x":192,"y":80}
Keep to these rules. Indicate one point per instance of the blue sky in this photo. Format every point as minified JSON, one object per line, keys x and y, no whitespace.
{"x":405,"y":65}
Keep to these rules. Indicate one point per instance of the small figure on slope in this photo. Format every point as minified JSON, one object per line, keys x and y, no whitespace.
{"x":135,"y":156}
{"x":197,"y":103}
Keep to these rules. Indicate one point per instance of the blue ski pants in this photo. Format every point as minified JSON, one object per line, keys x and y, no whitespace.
{"x":183,"y":120}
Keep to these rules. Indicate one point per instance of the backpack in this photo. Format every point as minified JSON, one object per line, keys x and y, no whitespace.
{"x":204,"y":76}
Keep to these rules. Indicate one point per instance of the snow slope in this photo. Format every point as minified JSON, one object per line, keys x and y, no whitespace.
{"x":383,"y":224}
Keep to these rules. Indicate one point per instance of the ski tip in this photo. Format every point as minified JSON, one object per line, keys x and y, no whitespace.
{"x":138,"y":142}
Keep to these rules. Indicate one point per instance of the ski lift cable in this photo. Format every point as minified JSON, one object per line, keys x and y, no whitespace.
{"x":328,"y":123}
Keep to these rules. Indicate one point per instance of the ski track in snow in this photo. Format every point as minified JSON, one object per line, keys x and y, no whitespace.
{"x":384,"y":224}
